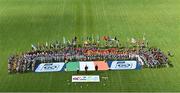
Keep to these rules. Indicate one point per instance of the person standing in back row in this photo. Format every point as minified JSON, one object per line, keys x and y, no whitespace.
{"x":86,"y":68}
{"x":77,"y":70}
{"x":96,"y":67}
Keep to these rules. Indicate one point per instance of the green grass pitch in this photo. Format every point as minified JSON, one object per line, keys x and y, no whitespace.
{"x":26,"y":22}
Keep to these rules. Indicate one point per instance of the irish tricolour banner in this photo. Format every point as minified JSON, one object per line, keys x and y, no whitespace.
{"x":73,"y":66}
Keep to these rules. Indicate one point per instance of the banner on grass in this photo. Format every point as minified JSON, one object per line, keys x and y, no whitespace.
{"x":85,"y":78}
{"x":50,"y":67}
{"x":89,"y":64}
{"x":122,"y":65}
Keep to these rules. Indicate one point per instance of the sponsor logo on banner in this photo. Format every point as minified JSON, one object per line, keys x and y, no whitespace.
{"x":49,"y":67}
{"x":118,"y":65}
{"x":83,"y":78}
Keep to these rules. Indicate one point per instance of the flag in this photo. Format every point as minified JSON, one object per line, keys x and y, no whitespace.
{"x":69,"y":42}
{"x":98,"y":37}
{"x":46,"y":44}
{"x":33,"y":47}
{"x":144,"y":37}
{"x":92,"y":38}
{"x":133,"y":40}
{"x":38,"y":46}
{"x":64,"y":40}
{"x":105,"y":38}
{"x":85,"y":42}
{"x":109,"y":38}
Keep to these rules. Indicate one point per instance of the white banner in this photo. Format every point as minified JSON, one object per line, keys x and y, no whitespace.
{"x":85,"y":78}
{"x":49,"y":67}
{"x":120,"y":65}
{"x":89,"y":64}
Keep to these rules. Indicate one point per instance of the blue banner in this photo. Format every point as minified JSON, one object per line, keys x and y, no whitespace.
{"x":122,"y":65}
{"x":50,"y":67}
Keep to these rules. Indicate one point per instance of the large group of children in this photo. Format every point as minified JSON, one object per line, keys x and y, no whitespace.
{"x":87,"y":51}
